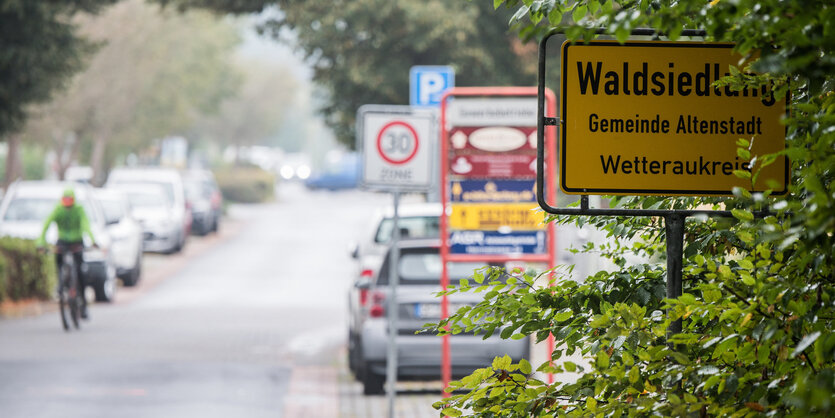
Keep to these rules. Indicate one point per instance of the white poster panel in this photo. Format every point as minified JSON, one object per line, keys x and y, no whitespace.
{"x":492,"y":111}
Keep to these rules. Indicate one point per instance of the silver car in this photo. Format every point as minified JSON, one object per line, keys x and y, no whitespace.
{"x":26,"y":206}
{"x":204,"y":200}
{"x":125,"y":234}
{"x":417,"y":220}
{"x":419,"y":355}
{"x":151,"y":208}
{"x":177,"y":216}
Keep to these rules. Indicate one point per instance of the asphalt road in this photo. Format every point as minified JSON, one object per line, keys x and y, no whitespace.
{"x":223,"y":330}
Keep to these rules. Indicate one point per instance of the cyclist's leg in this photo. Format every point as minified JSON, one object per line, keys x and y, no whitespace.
{"x":78,"y":259}
{"x":59,"y":262}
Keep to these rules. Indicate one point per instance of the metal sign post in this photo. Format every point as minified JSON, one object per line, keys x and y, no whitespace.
{"x":397,"y":144}
{"x":393,"y":314}
{"x":715,"y":179}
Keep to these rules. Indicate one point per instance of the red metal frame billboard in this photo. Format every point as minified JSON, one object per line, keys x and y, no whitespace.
{"x":445,"y":164}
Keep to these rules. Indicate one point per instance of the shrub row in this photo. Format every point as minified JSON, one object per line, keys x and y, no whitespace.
{"x":246,"y":184}
{"x":24,"y":272}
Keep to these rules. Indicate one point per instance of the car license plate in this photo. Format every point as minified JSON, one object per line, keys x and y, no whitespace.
{"x":433,"y":310}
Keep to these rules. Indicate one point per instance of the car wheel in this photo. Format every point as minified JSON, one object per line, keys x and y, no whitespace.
{"x":132,"y":278}
{"x":372,"y":383}
{"x":105,"y":289}
{"x":181,"y":242}
{"x":352,"y":354}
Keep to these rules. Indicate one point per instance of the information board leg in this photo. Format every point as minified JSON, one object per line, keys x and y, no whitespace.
{"x":674,"y":225}
{"x":446,"y":361}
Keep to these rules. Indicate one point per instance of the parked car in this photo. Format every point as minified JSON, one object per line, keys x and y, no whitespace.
{"x":178,"y":217}
{"x":419,"y":355}
{"x":26,"y":206}
{"x":342,"y":174}
{"x":126,"y":234}
{"x":205,"y":201}
{"x":149,"y":205}
{"x":417,"y":220}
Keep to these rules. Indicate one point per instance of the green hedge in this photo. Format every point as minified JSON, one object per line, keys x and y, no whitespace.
{"x":246,"y":184}
{"x":24,"y":272}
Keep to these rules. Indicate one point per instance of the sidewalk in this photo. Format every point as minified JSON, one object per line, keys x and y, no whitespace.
{"x":330,"y":391}
{"x":414,"y":399}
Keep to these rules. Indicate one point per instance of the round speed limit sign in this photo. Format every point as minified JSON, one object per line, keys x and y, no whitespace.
{"x":397,"y":142}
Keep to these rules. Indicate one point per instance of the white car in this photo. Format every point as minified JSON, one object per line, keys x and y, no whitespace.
{"x":178,"y":216}
{"x":417,"y":220}
{"x":126,"y":234}
{"x":27,"y":204}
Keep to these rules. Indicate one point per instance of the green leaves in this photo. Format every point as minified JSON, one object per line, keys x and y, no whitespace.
{"x":759,"y":300}
{"x":805,"y":342}
{"x":742,"y":215}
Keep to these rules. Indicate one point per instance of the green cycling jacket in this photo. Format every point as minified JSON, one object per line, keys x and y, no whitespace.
{"x":72,"y":224}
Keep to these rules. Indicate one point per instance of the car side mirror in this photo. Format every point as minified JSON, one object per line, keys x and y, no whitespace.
{"x":363,"y":284}
{"x":354,"y":250}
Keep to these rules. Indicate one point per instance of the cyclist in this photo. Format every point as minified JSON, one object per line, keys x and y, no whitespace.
{"x":72,"y":224}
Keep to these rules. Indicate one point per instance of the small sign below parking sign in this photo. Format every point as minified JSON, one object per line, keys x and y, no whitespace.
{"x":427,"y":84}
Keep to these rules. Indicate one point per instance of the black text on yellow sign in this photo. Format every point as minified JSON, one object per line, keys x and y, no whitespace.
{"x":647,"y":118}
{"x":494,"y":217}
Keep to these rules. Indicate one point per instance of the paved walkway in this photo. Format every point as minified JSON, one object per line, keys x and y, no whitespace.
{"x":332,"y":392}
{"x":414,"y":399}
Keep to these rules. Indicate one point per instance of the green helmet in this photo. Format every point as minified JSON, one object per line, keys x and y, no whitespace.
{"x":69,"y":192}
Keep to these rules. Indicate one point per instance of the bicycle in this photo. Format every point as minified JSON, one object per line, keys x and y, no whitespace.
{"x":69,"y":294}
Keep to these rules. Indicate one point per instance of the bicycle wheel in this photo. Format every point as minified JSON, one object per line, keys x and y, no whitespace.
{"x":74,"y":301}
{"x":64,"y":301}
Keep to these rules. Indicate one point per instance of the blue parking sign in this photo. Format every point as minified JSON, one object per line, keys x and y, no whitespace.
{"x":427,"y":84}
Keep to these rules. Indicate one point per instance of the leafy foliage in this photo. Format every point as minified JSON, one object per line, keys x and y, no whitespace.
{"x":25,"y":273}
{"x":759,"y":292}
{"x":361,"y":50}
{"x":39,"y":51}
{"x":155,"y":71}
{"x":246,"y":184}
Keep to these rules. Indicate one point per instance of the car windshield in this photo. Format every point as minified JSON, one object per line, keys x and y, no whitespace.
{"x":410,"y":227}
{"x":113,"y":209}
{"x":197,"y":190}
{"x":142,"y":199}
{"x":424,"y":268}
{"x":29,"y":209}
{"x":37,"y":209}
{"x":168,"y":187}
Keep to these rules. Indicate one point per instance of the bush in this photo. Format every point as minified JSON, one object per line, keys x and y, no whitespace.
{"x":757,"y":308}
{"x":246,"y":184}
{"x":24,"y":272}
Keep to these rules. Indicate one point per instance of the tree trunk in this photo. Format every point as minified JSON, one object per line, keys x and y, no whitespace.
{"x":97,"y":159}
{"x":14,"y":166}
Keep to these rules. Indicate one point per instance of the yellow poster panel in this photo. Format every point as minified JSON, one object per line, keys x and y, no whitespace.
{"x":492,"y":217}
{"x":647,"y":118}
